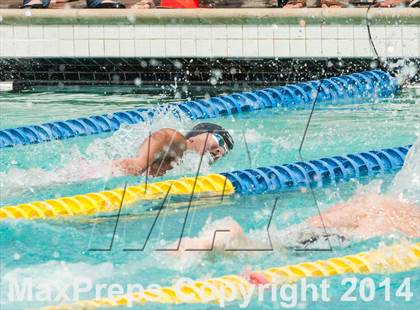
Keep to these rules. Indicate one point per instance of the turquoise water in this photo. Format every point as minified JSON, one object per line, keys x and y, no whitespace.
{"x":57,"y":251}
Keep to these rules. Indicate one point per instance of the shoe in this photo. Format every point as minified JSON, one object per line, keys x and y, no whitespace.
{"x":33,"y":6}
{"x":414,"y":4}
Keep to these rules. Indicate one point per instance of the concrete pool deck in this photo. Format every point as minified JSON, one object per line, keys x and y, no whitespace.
{"x":210,"y":16}
{"x":237,"y":33}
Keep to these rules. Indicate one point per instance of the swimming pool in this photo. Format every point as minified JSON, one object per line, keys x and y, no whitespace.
{"x":57,"y":251}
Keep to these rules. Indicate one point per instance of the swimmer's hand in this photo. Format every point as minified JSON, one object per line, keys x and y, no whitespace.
{"x":131,"y":166}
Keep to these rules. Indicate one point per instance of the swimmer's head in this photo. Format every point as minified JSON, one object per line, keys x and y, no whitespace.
{"x":210,"y":138}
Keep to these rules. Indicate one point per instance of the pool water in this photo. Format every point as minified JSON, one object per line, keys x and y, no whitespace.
{"x":57,"y":251}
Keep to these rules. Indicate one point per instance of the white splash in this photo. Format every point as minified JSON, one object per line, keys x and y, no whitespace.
{"x":16,"y":181}
{"x":406,"y":184}
{"x":253,"y":136}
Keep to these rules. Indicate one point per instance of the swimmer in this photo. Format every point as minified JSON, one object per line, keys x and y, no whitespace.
{"x":360,"y":218}
{"x":165,"y":148}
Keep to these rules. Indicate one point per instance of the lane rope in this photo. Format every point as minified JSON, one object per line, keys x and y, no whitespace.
{"x":346,"y":88}
{"x":287,"y":177}
{"x":229,"y":288}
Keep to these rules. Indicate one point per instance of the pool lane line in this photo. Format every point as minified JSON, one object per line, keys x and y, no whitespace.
{"x":109,"y":201}
{"x":288,"y":177}
{"x":229,"y":288}
{"x":367,"y":84}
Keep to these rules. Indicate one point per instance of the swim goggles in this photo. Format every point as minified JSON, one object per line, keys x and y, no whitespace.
{"x":220,"y":141}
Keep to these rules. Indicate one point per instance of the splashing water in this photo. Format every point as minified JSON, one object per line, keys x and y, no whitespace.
{"x":96,"y":162}
{"x":126,"y":141}
{"x":406,"y":184}
{"x":16,"y":181}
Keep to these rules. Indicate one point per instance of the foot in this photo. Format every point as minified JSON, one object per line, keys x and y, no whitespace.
{"x":34,"y":4}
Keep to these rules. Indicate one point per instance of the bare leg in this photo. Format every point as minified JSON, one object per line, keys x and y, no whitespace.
{"x":333,"y":4}
{"x":392,"y":3}
{"x":144,"y":4}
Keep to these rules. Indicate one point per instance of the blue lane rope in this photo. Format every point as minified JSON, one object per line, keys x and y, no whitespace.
{"x":316,"y":173}
{"x":366,"y":84}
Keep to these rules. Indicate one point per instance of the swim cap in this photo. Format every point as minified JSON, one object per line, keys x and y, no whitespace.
{"x":211,"y":128}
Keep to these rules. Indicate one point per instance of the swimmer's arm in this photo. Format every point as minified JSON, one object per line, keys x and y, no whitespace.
{"x":228,"y":231}
{"x":149,"y":150}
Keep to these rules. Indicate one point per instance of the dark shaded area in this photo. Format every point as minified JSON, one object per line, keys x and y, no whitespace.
{"x":237,"y":74}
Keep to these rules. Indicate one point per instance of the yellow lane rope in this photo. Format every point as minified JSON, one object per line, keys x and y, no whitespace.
{"x":386,"y":259}
{"x":107,"y":201}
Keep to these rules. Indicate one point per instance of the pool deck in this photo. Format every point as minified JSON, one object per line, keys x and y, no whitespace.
{"x":210,"y":16}
{"x":198,"y":33}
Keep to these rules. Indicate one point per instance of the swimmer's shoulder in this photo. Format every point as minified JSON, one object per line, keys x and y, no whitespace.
{"x":170,"y":134}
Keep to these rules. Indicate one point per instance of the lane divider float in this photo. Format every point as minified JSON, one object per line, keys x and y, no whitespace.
{"x":287,"y":177}
{"x":386,"y":259}
{"x":368,"y":84}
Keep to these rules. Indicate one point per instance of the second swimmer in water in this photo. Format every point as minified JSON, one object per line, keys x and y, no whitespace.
{"x":362,"y":217}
